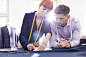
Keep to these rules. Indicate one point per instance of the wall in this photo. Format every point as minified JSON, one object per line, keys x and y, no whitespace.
{"x":17,"y":9}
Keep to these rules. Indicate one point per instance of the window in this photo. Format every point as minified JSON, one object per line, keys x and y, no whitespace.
{"x":3,"y":12}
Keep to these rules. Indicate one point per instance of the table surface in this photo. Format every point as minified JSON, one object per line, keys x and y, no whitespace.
{"x":79,"y":51}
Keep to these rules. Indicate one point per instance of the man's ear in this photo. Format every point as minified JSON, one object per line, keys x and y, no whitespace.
{"x":68,"y":16}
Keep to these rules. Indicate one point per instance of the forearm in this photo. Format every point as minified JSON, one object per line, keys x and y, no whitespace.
{"x":47,"y":37}
{"x":75,"y":43}
{"x":53,"y":40}
{"x":54,"y":44}
{"x":76,"y":35}
{"x":24,"y":42}
{"x":75,"y":39}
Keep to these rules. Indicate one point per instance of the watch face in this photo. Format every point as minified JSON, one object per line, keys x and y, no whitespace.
{"x":70,"y":44}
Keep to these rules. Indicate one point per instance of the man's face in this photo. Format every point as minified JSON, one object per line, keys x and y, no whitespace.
{"x":62,"y":19}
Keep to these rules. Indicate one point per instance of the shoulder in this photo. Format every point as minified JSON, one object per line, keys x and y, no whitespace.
{"x":3,"y":27}
{"x":13,"y":28}
{"x":30,"y":13}
{"x":28,"y":16}
{"x":74,"y":20}
{"x":75,"y":23}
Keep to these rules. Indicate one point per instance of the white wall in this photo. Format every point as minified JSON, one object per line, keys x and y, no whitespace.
{"x":17,"y":9}
{"x":84,"y":24}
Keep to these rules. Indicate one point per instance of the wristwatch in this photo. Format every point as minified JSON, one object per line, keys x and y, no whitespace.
{"x":70,"y":44}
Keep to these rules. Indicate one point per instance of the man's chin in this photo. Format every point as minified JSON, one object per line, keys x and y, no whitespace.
{"x":58,"y":24}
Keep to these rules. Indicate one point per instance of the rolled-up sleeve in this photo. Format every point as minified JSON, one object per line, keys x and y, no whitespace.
{"x":53,"y":40}
{"x":76,"y":34}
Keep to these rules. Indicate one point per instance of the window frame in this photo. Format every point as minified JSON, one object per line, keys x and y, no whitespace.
{"x":7,"y":13}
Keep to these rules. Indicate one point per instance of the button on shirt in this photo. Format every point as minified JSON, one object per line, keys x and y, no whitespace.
{"x":73,"y":25}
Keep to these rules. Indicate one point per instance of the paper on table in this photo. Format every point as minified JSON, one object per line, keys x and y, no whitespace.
{"x":46,"y":49}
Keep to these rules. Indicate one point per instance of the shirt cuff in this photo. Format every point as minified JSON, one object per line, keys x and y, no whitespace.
{"x":54,"y":45}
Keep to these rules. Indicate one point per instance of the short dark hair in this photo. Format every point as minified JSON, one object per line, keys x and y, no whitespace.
{"x":62,"y":9}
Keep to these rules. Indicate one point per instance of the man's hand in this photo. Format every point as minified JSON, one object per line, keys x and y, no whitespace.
{"x":68,"y":45}
{"x":30,"y":47}
{"x":63,"y":43}
{"x":42,"y":46}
